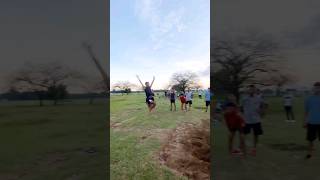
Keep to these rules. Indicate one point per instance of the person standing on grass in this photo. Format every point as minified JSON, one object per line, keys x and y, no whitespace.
{"x":149,"y":94}
{"x":288,"y":102}
{"x":207,"y":97}
{"x":253,"y":107}
{"x":183,"y":101}
{"x":189,"y":96}
{"x":173,"y":99}
{"x":235,"y":123}
{"x":312,"y":118}
{"x":200,"y":93}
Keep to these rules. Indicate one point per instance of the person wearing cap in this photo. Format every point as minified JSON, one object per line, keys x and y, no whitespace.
{"x":312,"y":118}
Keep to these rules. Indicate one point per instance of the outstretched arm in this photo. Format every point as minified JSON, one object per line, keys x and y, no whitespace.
{"x":152,"y":81}
{"x":140,"y":81}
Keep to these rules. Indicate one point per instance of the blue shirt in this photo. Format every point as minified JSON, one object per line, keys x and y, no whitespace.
{"x":207,"y":95}
{"x":312,"y":108}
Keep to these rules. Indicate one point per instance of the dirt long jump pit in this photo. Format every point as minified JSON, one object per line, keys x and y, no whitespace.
{"x":187,"y":150}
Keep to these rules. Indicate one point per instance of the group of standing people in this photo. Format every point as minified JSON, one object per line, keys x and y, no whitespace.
{"x":246,"y":116}
{"x":185,"y":98}
{"x":244,"y":119}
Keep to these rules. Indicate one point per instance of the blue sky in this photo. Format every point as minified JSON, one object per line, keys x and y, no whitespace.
{"x":159,"y":37}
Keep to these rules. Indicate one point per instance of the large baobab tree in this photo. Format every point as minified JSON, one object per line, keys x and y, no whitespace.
{"x":41,"y":79}
{"x":183,"y":80}
{"x":248,"y":59}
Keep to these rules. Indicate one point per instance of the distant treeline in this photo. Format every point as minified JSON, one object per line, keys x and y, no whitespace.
{"x":124,"y":91}
{"x":12,"y":96}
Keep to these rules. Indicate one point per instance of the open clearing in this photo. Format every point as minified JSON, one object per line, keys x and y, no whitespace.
{"x":66,"y":142}
{"x":138,"y":138}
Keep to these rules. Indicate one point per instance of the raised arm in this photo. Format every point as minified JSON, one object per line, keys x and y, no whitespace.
{"x":140,"y":81}
{"x":152,"y":81}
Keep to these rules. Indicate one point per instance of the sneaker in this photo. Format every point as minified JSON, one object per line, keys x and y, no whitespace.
{"x":236,"y":152}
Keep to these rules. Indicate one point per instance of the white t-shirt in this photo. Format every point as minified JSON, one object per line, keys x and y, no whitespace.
{"x":287,"y":100}
{"x":189,"y":96}
{"x":251,"y":106}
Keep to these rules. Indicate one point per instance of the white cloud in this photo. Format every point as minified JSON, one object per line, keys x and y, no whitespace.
{"x":164,"y":26}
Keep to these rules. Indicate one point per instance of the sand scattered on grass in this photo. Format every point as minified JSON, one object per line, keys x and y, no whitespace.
{"x":187,"y":150}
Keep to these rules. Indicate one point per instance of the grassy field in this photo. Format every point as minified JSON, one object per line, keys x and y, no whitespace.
{"x":136,"y":135}
{"x":53,"y":142}
{"x":280,"y":154}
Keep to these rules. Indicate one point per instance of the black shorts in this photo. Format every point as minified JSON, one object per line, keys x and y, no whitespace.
{"x":173,"y":101}
{"x":207,"y":103}
{"x":148,"y":100}
{"x":189,"y":102}
{"x":257,"y":129}
{"x":288,"y":108}
{"x":313,"y":131}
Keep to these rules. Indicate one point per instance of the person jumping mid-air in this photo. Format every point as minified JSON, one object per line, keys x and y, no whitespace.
{"x":149,"y":94}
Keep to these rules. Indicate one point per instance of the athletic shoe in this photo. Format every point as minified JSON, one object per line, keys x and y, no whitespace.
{"x":236,"y":152}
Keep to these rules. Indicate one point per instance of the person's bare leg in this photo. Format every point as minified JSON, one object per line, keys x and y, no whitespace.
{"x":149,"y":107}
{"x":152,"y":106}
{"x":230,"y":142}
{"x":255,"y":141}
{"x":175,"y":107}
{"x":242,"y":143}
{"x":311,"y":150}
{"x":170,"y":106}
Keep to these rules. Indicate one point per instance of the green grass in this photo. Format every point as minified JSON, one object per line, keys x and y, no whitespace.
{"x":50,"y":142}
{"x":134,"y":157}
{"x":280,"y":154}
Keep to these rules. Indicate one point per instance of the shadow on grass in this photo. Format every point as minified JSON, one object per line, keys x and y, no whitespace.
{"x":289,"y":147}
{"x":27,"y":122}
{"x":197,"y":107}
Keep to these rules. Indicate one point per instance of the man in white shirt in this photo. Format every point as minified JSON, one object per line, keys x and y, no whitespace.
{"x":189,"y":98}
{"x":253,"y":107}
{"x":288,"y":103}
